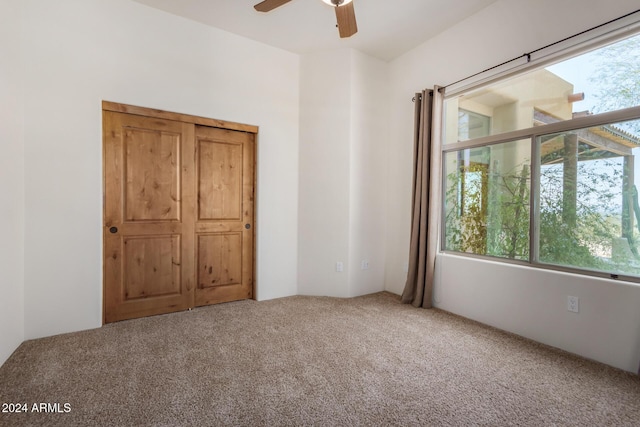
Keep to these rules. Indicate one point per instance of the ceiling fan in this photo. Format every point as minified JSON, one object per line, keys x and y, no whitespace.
{"x":345,"y":14}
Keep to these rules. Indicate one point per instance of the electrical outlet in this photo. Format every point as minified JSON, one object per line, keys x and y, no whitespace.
{"x":573,"y":304}
{"x":339,"y":266}
{"x":364,"y":264}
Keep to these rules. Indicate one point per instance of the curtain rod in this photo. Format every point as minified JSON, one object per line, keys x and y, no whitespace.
{"x":528,"y":55}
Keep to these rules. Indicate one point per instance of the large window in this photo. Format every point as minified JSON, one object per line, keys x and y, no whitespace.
{"x":541,"y":168}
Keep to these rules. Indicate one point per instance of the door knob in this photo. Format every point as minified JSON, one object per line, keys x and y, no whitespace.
{"x":247,"y":226}
{"x":113,"y":230}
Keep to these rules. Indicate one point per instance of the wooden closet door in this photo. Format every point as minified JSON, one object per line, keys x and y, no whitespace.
{"x":224,"y":215}
{"x":149,"y":216}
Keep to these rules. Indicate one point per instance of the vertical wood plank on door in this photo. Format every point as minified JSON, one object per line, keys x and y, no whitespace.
{"x":248,"y":206}
{"x":112,"y":205}
{"x":188,"y":213}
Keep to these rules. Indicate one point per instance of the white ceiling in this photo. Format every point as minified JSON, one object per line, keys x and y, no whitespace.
{"x":386,"y":28}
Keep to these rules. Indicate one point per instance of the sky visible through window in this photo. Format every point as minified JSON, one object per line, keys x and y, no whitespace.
{"x":620,"y":78}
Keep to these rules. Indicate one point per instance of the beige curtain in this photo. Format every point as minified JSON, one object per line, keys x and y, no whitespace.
{"x":427,"y":156}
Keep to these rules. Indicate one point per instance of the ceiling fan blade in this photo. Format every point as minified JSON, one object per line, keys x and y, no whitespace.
{"x":346,"y":17}
{"x":268,"y":5}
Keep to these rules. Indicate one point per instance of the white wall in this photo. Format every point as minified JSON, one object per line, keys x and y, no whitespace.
{"x":325,"y":132}
{"x":368,"y":174}
{"x":533,"y":303}
{"x":80,"y":52}
{"x":343,"y":140}
{"x":526,"y":301}
{"x":11,"y":181}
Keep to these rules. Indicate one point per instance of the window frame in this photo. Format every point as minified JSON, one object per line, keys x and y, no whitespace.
{"x":532,"y":133}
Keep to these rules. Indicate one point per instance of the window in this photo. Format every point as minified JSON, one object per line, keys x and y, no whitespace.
{"x":541,"y":168}
{"x":487,"y":200}
{"x":588,"y":204}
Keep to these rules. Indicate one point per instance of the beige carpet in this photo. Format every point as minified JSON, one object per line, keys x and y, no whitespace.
{"x":295,"y":361}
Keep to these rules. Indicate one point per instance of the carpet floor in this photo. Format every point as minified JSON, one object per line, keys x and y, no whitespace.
{"x":304,"y":361}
